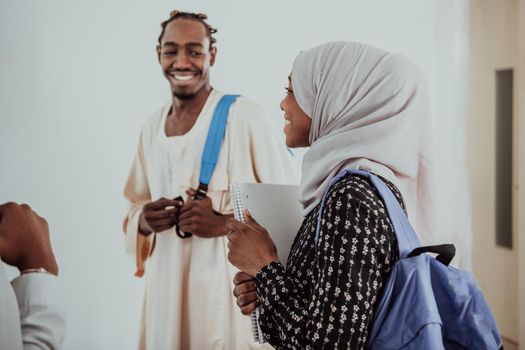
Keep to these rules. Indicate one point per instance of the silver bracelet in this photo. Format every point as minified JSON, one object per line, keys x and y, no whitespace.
{"x":38,"y":270}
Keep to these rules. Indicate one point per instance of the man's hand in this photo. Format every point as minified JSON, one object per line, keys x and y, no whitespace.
{"x":24,"y":239}
{"x":159,"y":216}
{"x":245,"y":292}
{"x":198,"y":218}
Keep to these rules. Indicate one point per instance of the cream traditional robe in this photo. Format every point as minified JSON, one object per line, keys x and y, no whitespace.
{"x":188,"y":300}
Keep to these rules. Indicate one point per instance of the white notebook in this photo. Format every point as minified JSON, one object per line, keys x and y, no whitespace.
{"x":278,"y":210}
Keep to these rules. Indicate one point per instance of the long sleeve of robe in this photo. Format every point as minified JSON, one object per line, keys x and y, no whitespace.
{"x":31,"y":314}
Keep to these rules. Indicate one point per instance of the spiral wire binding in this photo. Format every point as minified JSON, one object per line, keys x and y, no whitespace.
{"x":238,"y":208}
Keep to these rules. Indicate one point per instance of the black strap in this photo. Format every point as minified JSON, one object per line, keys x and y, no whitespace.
{"x":201,"y":192}
{"x":199,"y":195}
{"x":445,"y":252}
{"x":177,"y":229}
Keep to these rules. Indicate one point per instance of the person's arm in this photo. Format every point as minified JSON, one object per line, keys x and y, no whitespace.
{"x":10,"y":332}
{"x":38,"y":322}
{"x":137,"y":195}
{"x":349,"y":262}
{"x":144,"y":217}
{"x":42,"y":318}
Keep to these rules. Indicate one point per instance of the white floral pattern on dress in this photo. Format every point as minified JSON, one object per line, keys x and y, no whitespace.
{"x":326,"y":297}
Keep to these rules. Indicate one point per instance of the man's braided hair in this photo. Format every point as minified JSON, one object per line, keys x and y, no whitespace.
{"x":201,"y":17}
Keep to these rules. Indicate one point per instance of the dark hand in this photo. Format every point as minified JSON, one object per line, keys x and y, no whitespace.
{"x":24,"y":239}
{"x":198,"y":217}
{"x":245,"y":292}
{"x":251,"y":247}
{"x":159,"y":216}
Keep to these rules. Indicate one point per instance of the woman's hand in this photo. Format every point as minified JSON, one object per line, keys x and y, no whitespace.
{"x":245,"y":292}
{"x":250,"y":245}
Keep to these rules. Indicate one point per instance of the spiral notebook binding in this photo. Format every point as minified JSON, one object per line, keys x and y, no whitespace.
{"x":237,"y":205}
{"x":238,"y":208}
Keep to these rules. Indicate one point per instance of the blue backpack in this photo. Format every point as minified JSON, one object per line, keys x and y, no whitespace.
{"x":425,"y":304}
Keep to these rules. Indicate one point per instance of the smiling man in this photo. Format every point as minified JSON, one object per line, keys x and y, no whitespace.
{"x":188,"y":300}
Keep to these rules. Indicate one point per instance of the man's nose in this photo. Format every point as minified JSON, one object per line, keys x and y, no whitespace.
{"x":182,"y":61}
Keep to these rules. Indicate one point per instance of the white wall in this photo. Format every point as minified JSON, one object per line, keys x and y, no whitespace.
{"x":79,"y":78}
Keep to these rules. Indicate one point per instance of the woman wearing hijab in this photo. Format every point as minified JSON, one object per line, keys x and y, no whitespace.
{"x":357,"y":107}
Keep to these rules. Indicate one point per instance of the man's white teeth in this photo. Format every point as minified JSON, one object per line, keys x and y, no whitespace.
{"x":287,"y":122}
{"x":183,"y":77}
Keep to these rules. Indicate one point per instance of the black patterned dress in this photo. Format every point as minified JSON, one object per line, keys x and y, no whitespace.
{"x":326,"y":297}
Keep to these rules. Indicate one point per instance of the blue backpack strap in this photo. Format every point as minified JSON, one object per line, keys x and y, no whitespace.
{"x":211,"y":151}
{"x":213,"y":144}
{"x":407,"y":239}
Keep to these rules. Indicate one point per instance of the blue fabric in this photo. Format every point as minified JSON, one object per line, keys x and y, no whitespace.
{"x":214,"y":139}
{"x":425,"y":304}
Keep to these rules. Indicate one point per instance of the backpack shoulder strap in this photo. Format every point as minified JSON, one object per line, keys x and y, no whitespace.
{"x":406,"y":236}
{"x":213,"y":144}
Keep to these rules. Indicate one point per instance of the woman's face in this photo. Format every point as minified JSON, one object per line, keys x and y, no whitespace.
{"x":297,"y":123}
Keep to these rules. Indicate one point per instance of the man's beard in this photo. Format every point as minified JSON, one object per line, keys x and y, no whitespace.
{"x":184,"y":95}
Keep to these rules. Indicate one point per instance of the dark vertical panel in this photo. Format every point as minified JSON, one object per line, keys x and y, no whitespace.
{"x":504,"y":91}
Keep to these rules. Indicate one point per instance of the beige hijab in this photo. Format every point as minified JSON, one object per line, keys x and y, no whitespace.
{"x":370,"y":111}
